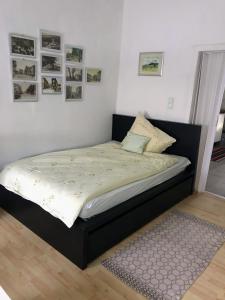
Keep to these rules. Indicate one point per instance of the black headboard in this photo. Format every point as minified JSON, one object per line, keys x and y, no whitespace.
{"x":187,"y":135}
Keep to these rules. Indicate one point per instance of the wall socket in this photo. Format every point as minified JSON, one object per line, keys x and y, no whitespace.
{"x":170,"y":103}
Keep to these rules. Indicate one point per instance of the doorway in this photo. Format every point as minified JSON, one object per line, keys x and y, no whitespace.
{"x":216,"y":177}
{"x":207,"y":100}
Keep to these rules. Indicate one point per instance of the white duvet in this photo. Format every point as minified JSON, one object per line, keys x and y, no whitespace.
{"x":62,"y":182}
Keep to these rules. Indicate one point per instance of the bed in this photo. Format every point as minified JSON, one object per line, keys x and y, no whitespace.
{"x":91,"y":236}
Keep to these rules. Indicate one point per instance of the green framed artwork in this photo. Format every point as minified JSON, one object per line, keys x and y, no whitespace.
{"x":93,"y":75}
{"x":150,"y":64}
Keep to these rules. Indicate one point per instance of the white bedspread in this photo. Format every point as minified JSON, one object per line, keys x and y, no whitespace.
{"x":62,"y":182}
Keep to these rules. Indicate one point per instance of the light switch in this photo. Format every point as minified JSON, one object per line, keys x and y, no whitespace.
{"x":170,"y":103}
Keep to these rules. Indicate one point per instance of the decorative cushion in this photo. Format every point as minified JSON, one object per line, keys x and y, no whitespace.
{"x":134,"y":142}
{"x":159,"y":140}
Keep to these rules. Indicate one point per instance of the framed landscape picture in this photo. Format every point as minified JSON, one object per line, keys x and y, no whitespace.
{"x":51,"y":85}
{"x":50,"y":41}
{"x":150,"y":63}
{"x":24,"y":91}
{"x":74,"y":91}
{"x":24,"y":69}
{"x":22,"y":45}
{"x":51,"y":63}
{"x":74,"y":74}
{"x":93,"y":75}
{"x":74,"y":54}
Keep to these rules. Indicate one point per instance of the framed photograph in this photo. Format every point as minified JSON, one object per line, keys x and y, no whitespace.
{"x":50,"y":41}
{"x":74,"y":54}
{"x":51,"y":63}
{"x":24,"y":69}
{"x":150,"y":64}
{"x":22,"y":45}
{"x":74,"y":74}
{"x":51,"y":85}
{"x":74,"y":91}
{"x":93,"y":75}
{"x":24,"y":91}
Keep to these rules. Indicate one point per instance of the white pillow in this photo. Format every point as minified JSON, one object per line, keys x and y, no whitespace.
{"x":159,"y":140}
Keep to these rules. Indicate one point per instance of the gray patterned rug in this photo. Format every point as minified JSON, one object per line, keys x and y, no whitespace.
{"x":164,"y":262}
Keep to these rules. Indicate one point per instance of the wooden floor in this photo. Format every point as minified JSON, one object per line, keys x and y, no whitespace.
{"x":31,"y":269}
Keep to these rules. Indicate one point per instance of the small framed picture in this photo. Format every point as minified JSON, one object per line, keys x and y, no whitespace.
{"x":24,"y":91}
{"x":74,"y":74}
{"x":150,"y":64}
{"x":74,"y":91}
{"x":50,"y":41}
{"x":93,"y":75}
{"x":51,"y":85}
{"x":24,"y":69}
{"x":22,"y":45}
{"x":74,"y":54}
{"x":51,"y":63}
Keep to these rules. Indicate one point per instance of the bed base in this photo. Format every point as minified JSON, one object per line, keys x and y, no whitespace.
{"x":86,"y":240}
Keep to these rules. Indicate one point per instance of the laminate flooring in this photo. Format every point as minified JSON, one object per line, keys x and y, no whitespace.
{"x":30,"y":269}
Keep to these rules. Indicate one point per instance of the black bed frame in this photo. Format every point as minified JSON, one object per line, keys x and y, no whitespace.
{"x":86,"y":240}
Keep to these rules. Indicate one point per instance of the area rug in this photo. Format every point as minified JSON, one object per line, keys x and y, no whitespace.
{"x":164,"y":262}
{"x":218,"y":153}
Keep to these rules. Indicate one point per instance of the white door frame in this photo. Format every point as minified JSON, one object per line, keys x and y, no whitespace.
{"x":202,"y":174}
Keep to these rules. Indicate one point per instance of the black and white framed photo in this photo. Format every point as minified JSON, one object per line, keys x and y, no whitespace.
{"x":51,"y":63}
{"x":22,"y":45}
{"x":74,"y":74}
{"x":51,"y":85}
{"x":93,"y":75}
{"x":24,"y":91}
{"x":74,"y":91}
{"x":50,"y":41}
{"x":74,"y":54}
{"x":24,"y":69}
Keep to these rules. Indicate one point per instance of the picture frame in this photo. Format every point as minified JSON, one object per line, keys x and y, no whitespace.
{"x":51,"y":63}
{"x":22,"y":45}
{"x":150,"y":64}
{"x":93,"y":75}
{"x":25,"y":91}
{"x":73,"y":92}
{"x":73,"y":73}
{"x":74,"y":54}
{"x":51,"y":85}
{"x":50,"y":41}
{"x":24,"y":69}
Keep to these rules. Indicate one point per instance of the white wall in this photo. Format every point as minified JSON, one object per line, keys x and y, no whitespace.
{"x":177,"y":27}
{"x":51,"y":123}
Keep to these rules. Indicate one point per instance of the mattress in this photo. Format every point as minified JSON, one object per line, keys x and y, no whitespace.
{"x":63,"y":182}
{"x":124,"y":193}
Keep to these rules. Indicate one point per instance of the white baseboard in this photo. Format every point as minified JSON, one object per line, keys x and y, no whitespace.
{"x":3,"y":295}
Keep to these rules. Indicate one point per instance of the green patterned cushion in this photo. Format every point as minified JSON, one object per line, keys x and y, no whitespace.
{"x":134,"y":142}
